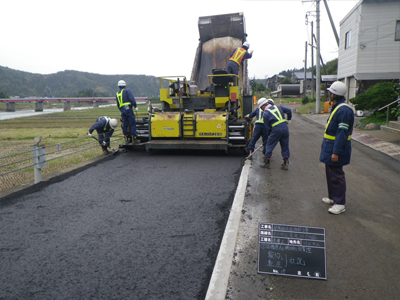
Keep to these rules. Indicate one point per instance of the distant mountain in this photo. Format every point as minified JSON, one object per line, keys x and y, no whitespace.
{"x":70,"y":83}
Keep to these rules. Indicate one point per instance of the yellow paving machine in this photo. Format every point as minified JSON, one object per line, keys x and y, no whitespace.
{"x":206,"y":112}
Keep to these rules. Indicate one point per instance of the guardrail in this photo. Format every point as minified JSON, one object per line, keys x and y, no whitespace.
{"x":16,"y":169}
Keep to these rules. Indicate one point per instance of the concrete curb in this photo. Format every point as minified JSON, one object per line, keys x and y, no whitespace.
{"x":218,"y":285}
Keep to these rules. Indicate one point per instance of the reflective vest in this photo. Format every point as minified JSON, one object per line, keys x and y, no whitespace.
{"x":237,"y":57}
{"x":120,"y":99}
{"x":277,"y":114}
{"x":260,"y":116}
{"x":107,"y":121}
{"x":331,"y":137}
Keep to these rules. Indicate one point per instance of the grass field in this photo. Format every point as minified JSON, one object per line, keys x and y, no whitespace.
{"x":63,"y":134}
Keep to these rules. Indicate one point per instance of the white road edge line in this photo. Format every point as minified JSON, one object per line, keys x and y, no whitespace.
{"x":218,"y":285}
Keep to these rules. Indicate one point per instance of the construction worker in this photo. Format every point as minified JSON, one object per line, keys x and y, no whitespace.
{"x":125,"y":102}
{"x":105,"y":128}
{"x":259,"y":128}
{"x":278,"y":131}
{"x":336,"y":147}
{"x":237,"y":56}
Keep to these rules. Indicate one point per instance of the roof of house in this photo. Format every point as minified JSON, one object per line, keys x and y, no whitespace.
{"x":300,"y":75}
{"x":377,"y":76}
{"x":361,"y":2}
{"x":277,"y":75}
{"x":328,"y":78}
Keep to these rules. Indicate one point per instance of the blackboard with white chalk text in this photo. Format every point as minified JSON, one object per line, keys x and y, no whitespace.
{"x":290,"y":250}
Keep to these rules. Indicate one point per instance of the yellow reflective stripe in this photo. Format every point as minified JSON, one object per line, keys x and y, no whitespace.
{"x":278,"y":116}
{"x":107,"y":121}
{"x":119,"y":97}
{"x":260,"y":116}
{"x":331,"y":137}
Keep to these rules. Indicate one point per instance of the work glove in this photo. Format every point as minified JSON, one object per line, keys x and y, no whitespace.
{"x":104,"y":144}
{"x":89,"y":134}
{"x":288,"y":122}
{"x":137,"y":109}
{"x":247,"y":116}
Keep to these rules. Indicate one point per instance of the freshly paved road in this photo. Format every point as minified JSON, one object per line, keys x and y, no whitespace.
{"x":132,"y":226}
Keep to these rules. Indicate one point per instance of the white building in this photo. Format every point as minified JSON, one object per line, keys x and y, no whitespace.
{"x":369,"y":50}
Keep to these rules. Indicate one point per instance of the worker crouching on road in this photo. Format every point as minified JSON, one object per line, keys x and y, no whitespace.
{"x":237,"y":56}
{"x":278,"y":131}
{"x":105,"y":129}
{"x":125,"y":102}
{"x":336,"y":147}
{"x":259,"y":128}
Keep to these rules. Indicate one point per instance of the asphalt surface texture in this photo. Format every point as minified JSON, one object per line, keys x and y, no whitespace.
{"x":362,"y":244}
{"x":131,"y":226}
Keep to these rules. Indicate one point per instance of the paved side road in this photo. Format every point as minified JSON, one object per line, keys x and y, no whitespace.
{"x":133,"y":226}
{"x":362,"y":245}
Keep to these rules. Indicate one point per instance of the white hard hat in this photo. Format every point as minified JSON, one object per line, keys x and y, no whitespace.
{"x":121,"y":83}
{"x":261,"y":102}
{"x":270,"y":101}
{"x":246,"y":44}
{"x":338,"y":88}
{"x":113,"y":123}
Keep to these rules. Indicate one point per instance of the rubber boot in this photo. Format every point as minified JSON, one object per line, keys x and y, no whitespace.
{"x":285,"y":165}
{"x":267,"y":162}
{"x":105,"y":151}
{"x":135,"y":140}
{"x":250,"y":156}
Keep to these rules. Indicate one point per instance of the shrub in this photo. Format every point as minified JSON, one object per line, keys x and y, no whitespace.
{"x":376,"y":96}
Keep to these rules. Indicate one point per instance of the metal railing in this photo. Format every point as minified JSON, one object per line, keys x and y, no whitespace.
{"x":16,"y":168}
{"x":387,"y":109}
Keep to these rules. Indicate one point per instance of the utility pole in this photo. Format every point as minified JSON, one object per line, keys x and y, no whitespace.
{"x":332,"y":24}
{"x":312,"y":60}
{"x":318,"y":73}
{"x":305,"y":75}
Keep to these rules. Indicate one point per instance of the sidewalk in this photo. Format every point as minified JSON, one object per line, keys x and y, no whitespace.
{"x":234,"y":275}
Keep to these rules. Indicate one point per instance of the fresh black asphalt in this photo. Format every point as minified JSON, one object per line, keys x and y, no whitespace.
{"x":132,"y":226}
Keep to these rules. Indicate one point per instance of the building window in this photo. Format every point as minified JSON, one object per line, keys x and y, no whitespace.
{"x":348,"y":40}
{"x":397,"y":32}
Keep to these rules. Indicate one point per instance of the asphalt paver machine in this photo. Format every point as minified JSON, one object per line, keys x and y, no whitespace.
{"x":206,"y":112}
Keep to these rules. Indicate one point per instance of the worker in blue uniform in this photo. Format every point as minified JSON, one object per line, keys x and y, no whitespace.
{"x":259,"y":128}
{"x":105,"y":128}
{"x":237,"y":57}
{"x":125,"y":102}
{"x":336,"y":147}
{"x":278,"y":131}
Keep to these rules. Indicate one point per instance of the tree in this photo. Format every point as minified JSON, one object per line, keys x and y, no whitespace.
{"x":286,"y":80}
{"x":4,"y":95}
{"x":260,"y":87}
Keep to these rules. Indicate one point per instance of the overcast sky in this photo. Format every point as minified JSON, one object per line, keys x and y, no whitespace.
{"x":154,"y":37}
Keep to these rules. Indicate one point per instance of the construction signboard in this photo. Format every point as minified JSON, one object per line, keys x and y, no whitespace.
{"x":289,"y":250}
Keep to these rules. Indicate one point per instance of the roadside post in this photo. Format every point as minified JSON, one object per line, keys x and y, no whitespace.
{"x":39,"y":159}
